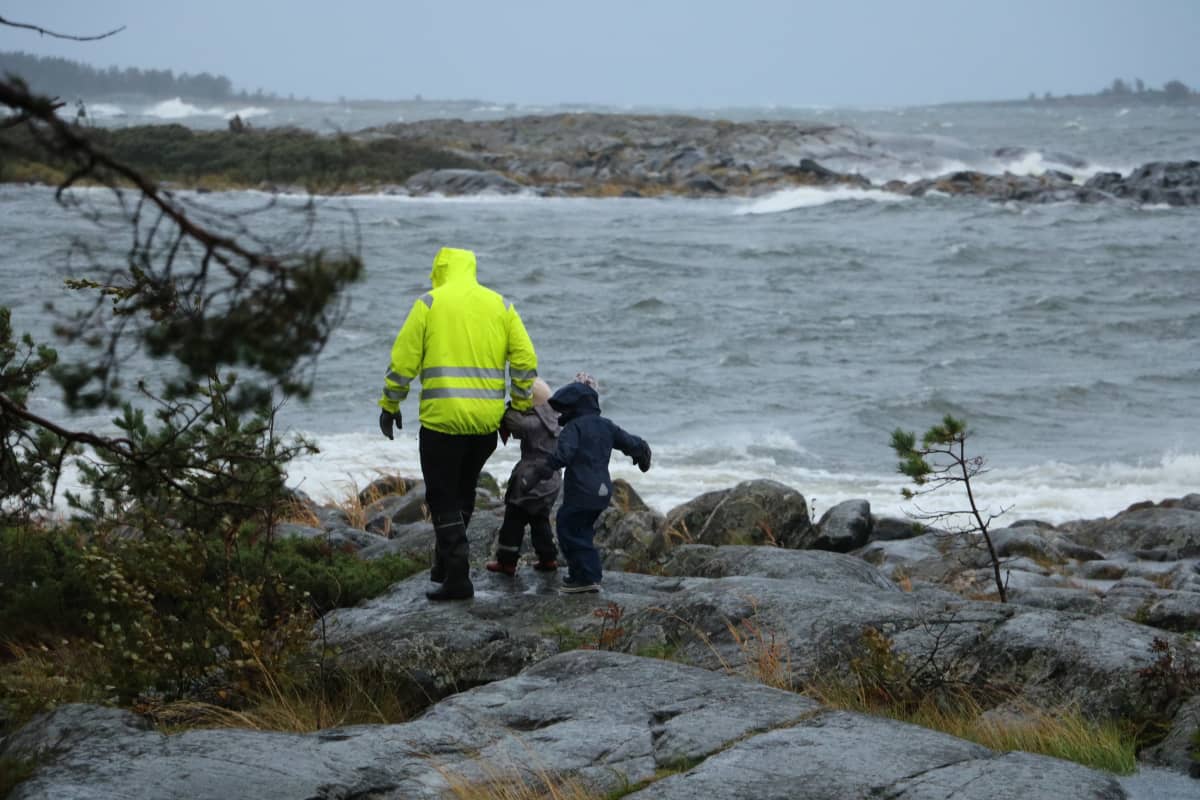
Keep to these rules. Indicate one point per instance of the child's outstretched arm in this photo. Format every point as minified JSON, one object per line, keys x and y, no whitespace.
{"x":633,"y":446}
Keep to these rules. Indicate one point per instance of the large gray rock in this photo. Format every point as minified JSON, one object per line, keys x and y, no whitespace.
{"x":1079,"y":601}
{"x":1167,"y":528}
{"x":392,"y":511}
{"x":949,"y":559}
{"x":885,"y":529}
{"x":845,"y":527}
{"x":631,"y":541}
{"x":1168,"y":609}
{"x":452,"y":182}
{"x":809,"y":760}
{"x":753,"y":512}
{"x":629,"y":534}
{"x":1025,"y":541}
{"x":1175,"y":183}
{"x":1091,"y":661}
{"x":706,"y":561}
{"x":386,"y":485}
{"x":436,"y":649}
{"x":575,"y":714}
{"x":608,"y":720}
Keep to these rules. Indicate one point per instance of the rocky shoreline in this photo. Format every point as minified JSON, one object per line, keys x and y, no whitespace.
{"x":600,"y":155}
{"x":649,"y":690}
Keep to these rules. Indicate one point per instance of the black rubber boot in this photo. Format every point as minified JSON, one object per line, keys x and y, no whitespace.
{"x":437,"y":573}
{"x":454,"y":554}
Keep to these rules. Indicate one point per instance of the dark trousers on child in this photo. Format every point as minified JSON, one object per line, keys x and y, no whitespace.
{"x":512,"y":532}
{"x":576,"y":535}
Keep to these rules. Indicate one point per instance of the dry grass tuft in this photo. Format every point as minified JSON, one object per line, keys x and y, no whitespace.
{"x":1163,"y":580}
{"x":37,"y":678}
{"x":1061,"y":733}
{"x":488,"y":781}
{"x":299,"y":513}
{"x":331,"y":697}
{"x":764,"y":655}
{"x":356,"y":501}
{"x":677,"y":533}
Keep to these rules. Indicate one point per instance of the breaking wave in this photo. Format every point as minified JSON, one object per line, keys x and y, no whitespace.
{"x":809,"y":197}
{"x":1053,"y":491}
{"x":176,"y":109}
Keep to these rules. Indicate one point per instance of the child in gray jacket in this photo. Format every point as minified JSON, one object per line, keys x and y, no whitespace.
{"x":537,"y":430}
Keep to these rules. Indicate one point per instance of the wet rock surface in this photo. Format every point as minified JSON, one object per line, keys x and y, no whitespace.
{"x":610,"y":720}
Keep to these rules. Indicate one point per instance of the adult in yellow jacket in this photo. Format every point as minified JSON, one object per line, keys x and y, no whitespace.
{"x":456,"y":341}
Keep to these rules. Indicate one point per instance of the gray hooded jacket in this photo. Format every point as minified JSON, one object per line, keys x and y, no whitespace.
{"x":538,"y":431}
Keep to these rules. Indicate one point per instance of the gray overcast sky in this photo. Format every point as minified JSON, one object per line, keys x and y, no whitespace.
{"x":638,"y":52}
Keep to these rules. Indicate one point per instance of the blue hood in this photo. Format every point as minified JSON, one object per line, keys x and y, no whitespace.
{"x":575,"y":400}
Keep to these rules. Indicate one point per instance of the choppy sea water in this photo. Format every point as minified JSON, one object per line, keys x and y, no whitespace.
{"x":786,"y":336}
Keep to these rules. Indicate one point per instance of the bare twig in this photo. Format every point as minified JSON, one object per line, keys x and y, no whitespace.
{"x":44,"y":32}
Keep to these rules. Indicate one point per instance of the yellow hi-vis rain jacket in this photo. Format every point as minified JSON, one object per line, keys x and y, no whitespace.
{"x":457,"y":339}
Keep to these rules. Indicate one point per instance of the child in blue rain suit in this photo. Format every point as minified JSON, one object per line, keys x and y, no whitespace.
{"x":585,"y":445}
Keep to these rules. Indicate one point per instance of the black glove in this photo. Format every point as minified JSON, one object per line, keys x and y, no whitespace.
{"x":642,"y":459}
{"x":386,"y":418}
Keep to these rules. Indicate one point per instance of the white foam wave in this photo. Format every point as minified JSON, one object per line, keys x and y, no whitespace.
{"x":247,"y":112}
{"x":1054,"y":491}
{"x":1036,"y":163}
{"x":104,"y":110}
{"x":1032,"y":163}
{"x":810,"y":197}
{"x":177,"y":108}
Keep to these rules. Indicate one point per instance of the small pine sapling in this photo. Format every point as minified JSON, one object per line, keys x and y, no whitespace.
{"x":941,"y":460}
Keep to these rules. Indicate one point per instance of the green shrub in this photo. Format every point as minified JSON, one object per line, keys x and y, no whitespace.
{"x":250,"y":158}
{"x":43,"y":586}
{"x":333,"y":578}
{"x":164,"y":614}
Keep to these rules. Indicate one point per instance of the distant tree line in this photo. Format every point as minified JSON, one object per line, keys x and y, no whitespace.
{"x":50,"y":75}
{"x":1173,"y":91}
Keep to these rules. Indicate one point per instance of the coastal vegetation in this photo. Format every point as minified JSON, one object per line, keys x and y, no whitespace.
{"x":1124,"y":92}
{"x":175,"y":625}
{"x":250,"y":158}
{"x":64,"y":77}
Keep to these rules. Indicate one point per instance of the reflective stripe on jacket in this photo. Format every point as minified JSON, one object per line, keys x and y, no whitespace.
{"x":456,"y":341}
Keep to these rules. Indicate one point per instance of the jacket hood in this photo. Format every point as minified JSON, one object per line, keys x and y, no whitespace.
{"x":575,"y":400}
{"x":548,"y":418}
{"x":452,"y":264}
